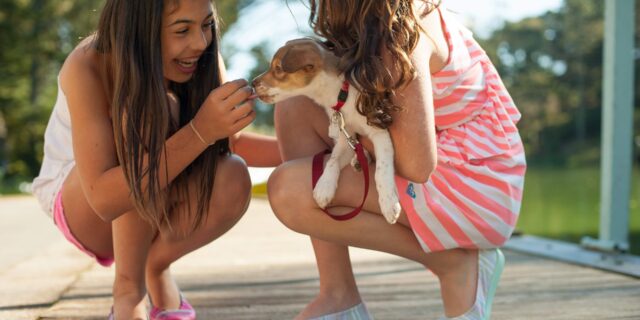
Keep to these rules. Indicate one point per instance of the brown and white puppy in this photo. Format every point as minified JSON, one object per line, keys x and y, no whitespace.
{"x":305,"y":67}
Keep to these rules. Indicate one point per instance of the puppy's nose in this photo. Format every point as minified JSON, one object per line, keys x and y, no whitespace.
{"x":255,"y":82}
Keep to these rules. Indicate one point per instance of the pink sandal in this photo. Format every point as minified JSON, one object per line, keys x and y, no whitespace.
{"x":184,"y":312}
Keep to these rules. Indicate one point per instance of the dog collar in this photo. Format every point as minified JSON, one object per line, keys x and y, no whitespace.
{"x":342,"y":96}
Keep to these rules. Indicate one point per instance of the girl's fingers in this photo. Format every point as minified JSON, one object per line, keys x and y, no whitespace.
{"x":242,"y":110}
{"x":243,"y":122}
{"x":240,"y":95}
{"x":228,"y":88}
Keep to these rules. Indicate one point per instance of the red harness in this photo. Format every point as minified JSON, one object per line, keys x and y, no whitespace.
{"x":318,"y":160}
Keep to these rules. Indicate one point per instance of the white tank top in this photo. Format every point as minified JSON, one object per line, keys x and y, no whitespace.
{"x":58,"y":155}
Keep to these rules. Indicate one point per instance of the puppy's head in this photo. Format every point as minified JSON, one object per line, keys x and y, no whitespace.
{"x":293,"y":70}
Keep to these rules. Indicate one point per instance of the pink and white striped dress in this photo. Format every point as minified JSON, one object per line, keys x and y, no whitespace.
{"x":473,"y":197}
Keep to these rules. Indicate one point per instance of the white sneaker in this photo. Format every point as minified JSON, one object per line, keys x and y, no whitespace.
{"x":357,"y":312}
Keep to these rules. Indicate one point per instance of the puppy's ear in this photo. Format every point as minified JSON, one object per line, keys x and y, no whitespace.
{"x":298,"y":58}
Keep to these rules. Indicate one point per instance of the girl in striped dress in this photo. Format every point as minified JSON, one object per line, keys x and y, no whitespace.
{"x":459,"y":159}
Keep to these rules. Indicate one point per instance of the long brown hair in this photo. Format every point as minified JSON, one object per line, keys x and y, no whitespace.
{"x":357,"y":30}
{"x":130,"y":32}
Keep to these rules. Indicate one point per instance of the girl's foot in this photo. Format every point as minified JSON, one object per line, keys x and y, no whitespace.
{"x":184,"y":312}
{"x":128,"y":307}
{"x":166,"y":300}
{"x":327,"y":304}
{"x":163,"y":290}
{"x":490,"y":266}
{"x":458,"y":282}
{"x":357,"y":312}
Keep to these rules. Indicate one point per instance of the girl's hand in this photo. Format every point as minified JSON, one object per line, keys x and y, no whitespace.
{"x":227,"y":110}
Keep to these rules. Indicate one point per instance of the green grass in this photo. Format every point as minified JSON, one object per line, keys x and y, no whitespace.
{"x":259,"y":190}
{"x":564,"y":204}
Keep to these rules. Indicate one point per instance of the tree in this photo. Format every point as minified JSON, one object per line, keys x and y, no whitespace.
{"x":552,"y":65}
{"x":36,"y":36}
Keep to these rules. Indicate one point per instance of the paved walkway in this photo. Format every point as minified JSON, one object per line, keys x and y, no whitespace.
{"x":261,"y":270}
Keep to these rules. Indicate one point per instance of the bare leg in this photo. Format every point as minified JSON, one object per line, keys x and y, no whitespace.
{"x":93,"y":232}
{"x":230,"y":199}
{"x":112,"y":240}
{"x":231,"y":196}
{"x":303,"y":133}
{"x":301,"y":128}
{"x":131,"y":240}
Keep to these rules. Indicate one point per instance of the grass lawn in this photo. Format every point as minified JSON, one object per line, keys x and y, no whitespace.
{"x":565,"y":204}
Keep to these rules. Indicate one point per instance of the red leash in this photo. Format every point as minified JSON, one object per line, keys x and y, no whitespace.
{"x":317,"y":167}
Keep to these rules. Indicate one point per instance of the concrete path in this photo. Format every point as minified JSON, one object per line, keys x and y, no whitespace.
{"x":24,"y":229}
{"x":261,"y":270}
{"x":42,"y":266}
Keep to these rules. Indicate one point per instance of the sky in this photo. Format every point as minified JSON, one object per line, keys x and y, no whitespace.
{"x":484,"y":16}
{"x":273,"y":22}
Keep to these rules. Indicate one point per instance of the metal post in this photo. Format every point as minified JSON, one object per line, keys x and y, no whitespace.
{"x":617,"y":127}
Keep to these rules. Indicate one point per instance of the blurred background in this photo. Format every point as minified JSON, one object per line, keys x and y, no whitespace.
{"x":549,"y":53}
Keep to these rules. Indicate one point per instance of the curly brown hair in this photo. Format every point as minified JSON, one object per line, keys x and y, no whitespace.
{"x":356,"y":30}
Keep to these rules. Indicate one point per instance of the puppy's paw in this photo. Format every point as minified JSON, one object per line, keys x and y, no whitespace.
{"x":390,"y":207}
{"x":392,"y":214}
{"x":324,"y":191}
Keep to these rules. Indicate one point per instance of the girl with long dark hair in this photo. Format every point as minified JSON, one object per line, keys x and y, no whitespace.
{"x":139,"y":163}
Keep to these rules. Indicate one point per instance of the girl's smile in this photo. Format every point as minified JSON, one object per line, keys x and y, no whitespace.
{"x":187,"y":66}
{"x":186,"y":34}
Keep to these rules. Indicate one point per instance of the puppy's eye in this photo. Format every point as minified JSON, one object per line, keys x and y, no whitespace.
{"x":278,"y":68}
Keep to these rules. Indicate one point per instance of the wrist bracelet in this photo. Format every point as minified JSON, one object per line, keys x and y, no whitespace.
{"x":198,"y":133}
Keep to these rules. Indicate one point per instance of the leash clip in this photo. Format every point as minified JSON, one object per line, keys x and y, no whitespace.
{"x":339,"y":119}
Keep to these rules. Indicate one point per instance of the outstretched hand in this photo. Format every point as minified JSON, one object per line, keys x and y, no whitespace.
{"x":227,"y":110}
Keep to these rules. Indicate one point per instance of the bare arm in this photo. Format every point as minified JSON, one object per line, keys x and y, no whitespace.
{"x":102,"y":177}
{"x":413,"y":129}
{"x":256,"y":149}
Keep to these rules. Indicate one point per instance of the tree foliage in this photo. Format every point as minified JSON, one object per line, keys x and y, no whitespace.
{"x":35,"y":37}
{"x":552,"y":65}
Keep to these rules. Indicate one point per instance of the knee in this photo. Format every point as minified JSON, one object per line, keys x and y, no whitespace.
{"x":239,"y":184}
{"x":285,"y":109}
{"x":283,"y":197}
{"x":233,"y":186}
{"x":295,"y":110}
